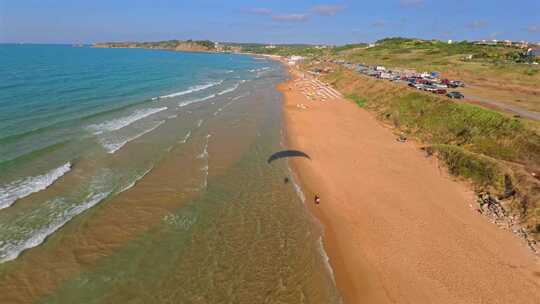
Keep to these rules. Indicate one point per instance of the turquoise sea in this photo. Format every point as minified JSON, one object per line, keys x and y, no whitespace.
{"x":141,"y":175}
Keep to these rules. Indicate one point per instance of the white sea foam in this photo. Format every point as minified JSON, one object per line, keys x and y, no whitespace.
{"x":188,"y":135}
{"x":192,"y":89}
{"x":326,"y":259}
{"x":299,"y":191}
{"x":185,"y":103}
{"x":204,"y":183}
{"x":205,"y":169}
{"x":10,"y":250}
{"x":22,"y":188}
{"x":241,"y":96}
{"x":229,"y":90}
{"x":122,"y":122}
{"x":259,"y":69}
{"x":199,"y":123}
{"x":112,"y":146}
{"x":204,"y":154}
{"x":137,"y":179}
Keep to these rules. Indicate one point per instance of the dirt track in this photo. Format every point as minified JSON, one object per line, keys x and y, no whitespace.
{"x":398,"y":228}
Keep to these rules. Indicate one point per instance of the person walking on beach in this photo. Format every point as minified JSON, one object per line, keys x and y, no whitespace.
{"x":317,"y":199}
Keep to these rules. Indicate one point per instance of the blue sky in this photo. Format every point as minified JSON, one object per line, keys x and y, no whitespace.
{"x":298,"y":21}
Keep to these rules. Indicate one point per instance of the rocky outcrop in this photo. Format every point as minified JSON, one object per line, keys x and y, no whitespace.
{"x":494,"y":209}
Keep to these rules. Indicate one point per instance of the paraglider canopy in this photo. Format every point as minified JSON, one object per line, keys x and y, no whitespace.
{"x":287,"y":154}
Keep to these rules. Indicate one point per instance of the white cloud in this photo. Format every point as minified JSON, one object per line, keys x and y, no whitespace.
{"x":291,"y":17}
{"x":327,"y":10}
{"x":533,"y":29}
{"x":261,"y":11}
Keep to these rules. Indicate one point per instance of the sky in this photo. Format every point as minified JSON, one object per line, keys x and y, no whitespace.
{"x":293,"y":21}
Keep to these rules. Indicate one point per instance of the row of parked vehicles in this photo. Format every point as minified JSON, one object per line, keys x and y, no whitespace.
{"x":436,"y":88}
{"x":428,"y":82}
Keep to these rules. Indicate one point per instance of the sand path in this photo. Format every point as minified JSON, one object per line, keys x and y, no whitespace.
{"x":398,"y":229}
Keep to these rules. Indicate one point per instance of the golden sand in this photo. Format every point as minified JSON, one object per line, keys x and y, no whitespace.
{"x":398,"y":228}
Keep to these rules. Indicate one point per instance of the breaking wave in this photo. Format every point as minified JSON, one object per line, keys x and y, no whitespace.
{"x":185,"y":103}
{"x":10,"y":250}
{"x":229,"y":90}
{"x":112,"y":146}
{"x":135,"y":181}
{"x":122,"y":122}
{"x":16,"y":190}
{"x":191,"y":90}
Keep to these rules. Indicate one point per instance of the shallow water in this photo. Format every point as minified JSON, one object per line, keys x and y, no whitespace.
{"x":168,"y":200}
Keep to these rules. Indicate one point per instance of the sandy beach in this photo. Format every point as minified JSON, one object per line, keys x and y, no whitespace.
{"x":398,"y":228}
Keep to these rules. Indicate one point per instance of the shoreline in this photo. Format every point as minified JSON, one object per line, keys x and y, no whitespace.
{"x":365,"y":229}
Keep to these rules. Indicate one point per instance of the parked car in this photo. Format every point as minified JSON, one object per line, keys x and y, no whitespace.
{"x":455,"y":95}
{"x":457,"y":83}
{"x":429,"y":88}
{"x":440,"y":86}
{"x":440,"y":91}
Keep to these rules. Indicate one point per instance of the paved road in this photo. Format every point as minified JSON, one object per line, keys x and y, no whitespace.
{"x":495,"y":104}
{"x":506,"y":107}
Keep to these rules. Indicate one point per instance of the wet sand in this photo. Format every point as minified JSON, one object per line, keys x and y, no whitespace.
{"x":398,"y":229}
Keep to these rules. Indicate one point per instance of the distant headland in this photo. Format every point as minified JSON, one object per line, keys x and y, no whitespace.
{"x":173,"y":45}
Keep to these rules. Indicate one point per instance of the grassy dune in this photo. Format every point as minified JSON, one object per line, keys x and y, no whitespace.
{"x":494,"y":72}
{"x":495,"y":152}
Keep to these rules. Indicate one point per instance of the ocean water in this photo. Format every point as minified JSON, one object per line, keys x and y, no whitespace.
{"x":141,"y":174}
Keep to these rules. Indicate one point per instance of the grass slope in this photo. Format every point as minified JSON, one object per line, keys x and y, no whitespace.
{"x":495,"y":152}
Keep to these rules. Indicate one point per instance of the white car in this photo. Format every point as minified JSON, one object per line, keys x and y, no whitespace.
{"x":440,"y":86}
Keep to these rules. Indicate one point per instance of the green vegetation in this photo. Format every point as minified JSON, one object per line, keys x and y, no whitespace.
{"x":430,"y":55}
{"x":483,"y":171}
{"x":480,"y":130}
{"x":436,"y":48}
{"x":283,"y":49}
{"x":531,"y":72}
{"x":356,"y":99}
{"x":497,"y":72}
{"x":488,"y":148}
{"x":348,"y":47}
{"x":169,"y":44}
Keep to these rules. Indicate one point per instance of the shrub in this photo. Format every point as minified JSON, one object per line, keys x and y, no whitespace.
{"x":360,"y":101}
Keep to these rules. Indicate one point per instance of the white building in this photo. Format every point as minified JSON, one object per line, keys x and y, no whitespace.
{"x":293,"y":60}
